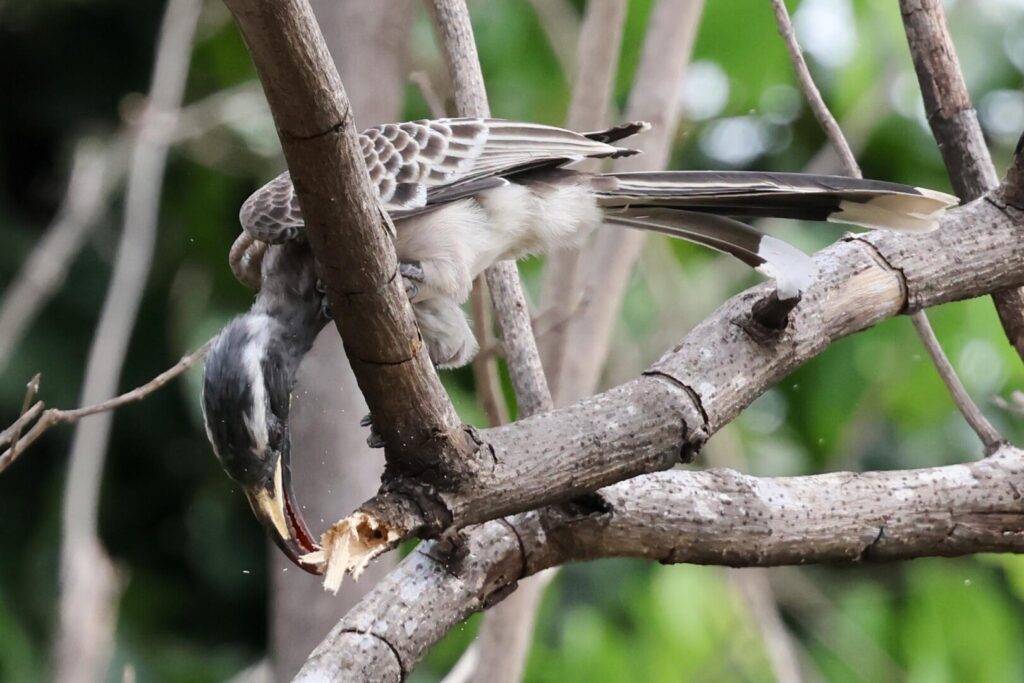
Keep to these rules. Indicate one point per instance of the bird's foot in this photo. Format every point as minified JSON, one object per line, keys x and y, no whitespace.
{"x":374,"y":439}
{"x":325,"y":305}
{"x":412,"y":277}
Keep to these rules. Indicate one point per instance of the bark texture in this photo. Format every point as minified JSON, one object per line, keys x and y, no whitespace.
{"x":347,"y":229}
{"x":711,"y":517}
{"x":954,"y":123}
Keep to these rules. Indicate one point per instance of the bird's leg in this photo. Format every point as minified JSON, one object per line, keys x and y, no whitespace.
{"x":325,"y":305}
{"x":412,"y":277}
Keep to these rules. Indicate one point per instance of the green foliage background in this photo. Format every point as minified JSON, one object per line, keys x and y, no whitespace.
{"x":194,"y":606}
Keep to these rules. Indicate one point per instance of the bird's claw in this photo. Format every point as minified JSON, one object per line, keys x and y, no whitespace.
{"x":374,"y":440}
{"x":412,"y":277}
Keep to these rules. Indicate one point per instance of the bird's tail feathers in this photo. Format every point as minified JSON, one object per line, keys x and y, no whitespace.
{"x":866,"y":203}
{"x":792,"y":269}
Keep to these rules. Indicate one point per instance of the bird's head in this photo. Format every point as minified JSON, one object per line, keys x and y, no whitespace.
{"x":246,"y":394}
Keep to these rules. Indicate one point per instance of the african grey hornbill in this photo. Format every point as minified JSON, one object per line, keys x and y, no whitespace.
{"x":464,"y":194}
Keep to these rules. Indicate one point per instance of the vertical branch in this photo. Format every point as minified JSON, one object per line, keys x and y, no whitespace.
{"x":607,"y":263}
{"x":333,"y":468}
{"x":500,"y":653}
{"x":990,"y":438}
{"x":88,"y":581}
{"x":485,"y":364}
{"x":956,"y":129}
{"x":459,"y":47}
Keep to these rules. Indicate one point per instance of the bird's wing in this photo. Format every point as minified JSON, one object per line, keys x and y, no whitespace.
{"x":420,"y":163}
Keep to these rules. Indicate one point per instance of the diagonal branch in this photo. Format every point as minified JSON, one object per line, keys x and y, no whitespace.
{"x":954,"y":123}
{"x":990,"y":438}
{"x":721,"y":366}
{"x":347,"y":230}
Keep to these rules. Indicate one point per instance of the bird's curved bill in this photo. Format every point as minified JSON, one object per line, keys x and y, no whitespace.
{"x":274,"y":505}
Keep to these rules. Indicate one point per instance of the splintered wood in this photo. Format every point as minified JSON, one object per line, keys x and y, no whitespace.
{"x":348,"y":546}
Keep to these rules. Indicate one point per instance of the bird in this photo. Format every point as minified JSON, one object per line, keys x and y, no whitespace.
{"x":462,"y":194}
{"x":247,"y":383}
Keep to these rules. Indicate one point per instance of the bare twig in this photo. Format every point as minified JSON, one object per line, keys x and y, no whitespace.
{"x":485,"y":365}
{"x":988,"y":435}
{"x":955,"y":126}
{"x":88,"y":584}
{"x":811,"y":92}
{"x":55,"y":416}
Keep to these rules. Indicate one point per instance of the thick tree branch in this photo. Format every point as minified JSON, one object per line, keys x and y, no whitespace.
{"x":954,"y":123}
{"x":710,"y":517}
{"x":348,"y":231}
{"x":651,"y":422}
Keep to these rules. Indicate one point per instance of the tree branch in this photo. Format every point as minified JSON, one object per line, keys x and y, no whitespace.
{"x":988,"y":435}
{"x":954,"y":123}
{"x":710,"y":517}
{"x":348,"y":233}
{"x":651,"y":422}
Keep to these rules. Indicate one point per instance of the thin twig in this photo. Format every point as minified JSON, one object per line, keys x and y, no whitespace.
{"x":990,"y":438}
{"x":88,"y":583}
{"x":988,"y":434}
{"x":55,"y":416}
{"x":485,"y":365}
{"x":812,"y":94}
{"x":429,"y":93}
